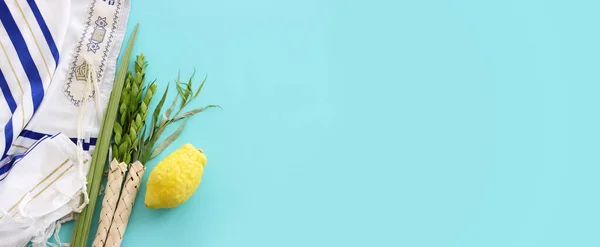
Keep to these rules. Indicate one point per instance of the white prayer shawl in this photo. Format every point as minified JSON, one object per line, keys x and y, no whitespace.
{"x":57,"y":66}
{"x":35,"y":35}
{"x":99,"y":35}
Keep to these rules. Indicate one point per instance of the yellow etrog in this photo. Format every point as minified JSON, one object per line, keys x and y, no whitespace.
{"x":175,"y":178}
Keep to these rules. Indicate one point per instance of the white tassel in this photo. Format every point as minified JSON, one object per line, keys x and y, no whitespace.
{"x":59,"y":223}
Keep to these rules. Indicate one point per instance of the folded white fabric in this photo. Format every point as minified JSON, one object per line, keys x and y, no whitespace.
{"x":44,"y":186}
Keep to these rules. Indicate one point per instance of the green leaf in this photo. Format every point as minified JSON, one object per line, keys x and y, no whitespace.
{"x":127,"y":85}
{"x":123,"y":108}
{"x":150,"y":92}
{"x":182,"y":94}
{"x":123,"y":118}
{"x":189,"y":84}
{"x":201,"y":86}
{"x":115,"y":151}
{"x":139,"y":95}
{"x":141,"y":148}
{"x":143,"y":108}
{"x":153,"y":87}
{"x":127,"y":158}
{"x":188,"y":93}
{"x":132,"y":133}
{"x":188,"y":89}
{"x":165,"y":143}
{"x":140,"y":62}
{"x":193,"y":112}
{"x":135,"y":143}
{"x":117,"y":138}
{"x":160,"y":130}
{"x":168,"y":113}
{"x":138,"y":120}
{"x":159,"y":107}
{"x":128,"y":81}
{"x":125,"y":94}
{"x":134,"y":94}
{"x":126,"y":140}
{"x":122,"y":150}
{"x":118,"y":129}
{"x":137,"y":78}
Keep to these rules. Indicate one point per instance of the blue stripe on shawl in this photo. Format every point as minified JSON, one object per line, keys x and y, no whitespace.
{"x":37,"y":88}
{"x":45,"y":30}
{"x":10,"y":101}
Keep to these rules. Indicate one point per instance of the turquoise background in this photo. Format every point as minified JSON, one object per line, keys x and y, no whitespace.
{"x":460,"y":123}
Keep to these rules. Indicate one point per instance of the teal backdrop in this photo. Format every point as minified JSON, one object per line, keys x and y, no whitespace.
{"x":459,"y":123}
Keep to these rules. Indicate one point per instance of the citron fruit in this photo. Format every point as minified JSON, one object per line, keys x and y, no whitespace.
{"x":174,"y":180}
